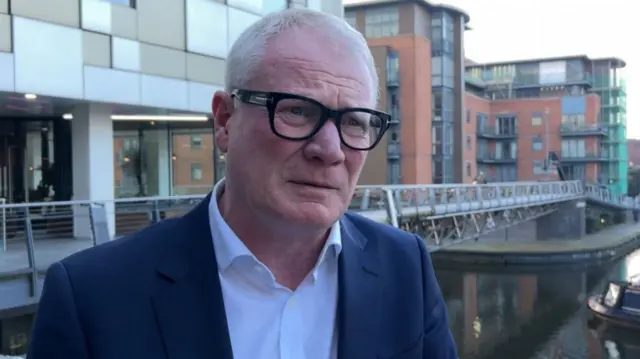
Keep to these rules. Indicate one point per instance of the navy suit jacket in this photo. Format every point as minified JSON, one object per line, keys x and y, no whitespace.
{"x":156,"y":295}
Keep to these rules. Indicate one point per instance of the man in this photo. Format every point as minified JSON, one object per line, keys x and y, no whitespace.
{"x":268,"y":266}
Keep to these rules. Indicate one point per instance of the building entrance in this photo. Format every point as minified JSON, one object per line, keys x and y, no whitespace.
{"x":28,"y":152}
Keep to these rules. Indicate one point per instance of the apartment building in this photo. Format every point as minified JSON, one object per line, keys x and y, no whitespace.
{"x":520,"y":112}
{"x":419,"y":52}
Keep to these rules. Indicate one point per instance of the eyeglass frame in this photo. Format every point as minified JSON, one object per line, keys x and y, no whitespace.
{"x":270,"y":100}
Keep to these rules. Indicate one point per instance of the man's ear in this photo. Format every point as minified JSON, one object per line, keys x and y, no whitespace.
{"x":222,"y":108}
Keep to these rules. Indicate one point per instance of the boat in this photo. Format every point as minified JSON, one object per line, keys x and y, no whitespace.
{"x":619,"y":304}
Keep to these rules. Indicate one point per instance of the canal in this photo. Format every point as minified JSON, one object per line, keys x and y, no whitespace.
{"x":498,"y":312}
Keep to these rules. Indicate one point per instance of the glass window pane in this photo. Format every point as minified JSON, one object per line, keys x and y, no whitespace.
{"x":192,"y":167}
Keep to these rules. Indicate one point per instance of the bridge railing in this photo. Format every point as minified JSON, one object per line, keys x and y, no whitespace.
{"x":72,"y":219}
{"x":604,"y":195}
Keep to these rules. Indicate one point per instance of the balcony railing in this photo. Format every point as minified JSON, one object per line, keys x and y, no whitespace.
{"x":583,"y":130}
{"x":393,"y":150}
{"x":495,"y":158}
{"x":590,"y":156}
{"x":492,"y":132}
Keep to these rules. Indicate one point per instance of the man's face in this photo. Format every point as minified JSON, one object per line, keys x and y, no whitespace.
{"x":305,"y":182}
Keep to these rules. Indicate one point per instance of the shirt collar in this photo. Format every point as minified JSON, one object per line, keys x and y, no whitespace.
{"x":228,"y":246}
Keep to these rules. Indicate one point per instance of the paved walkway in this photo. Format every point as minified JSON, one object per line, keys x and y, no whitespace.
{"x":598,"y":241}
{"x":47,"y":251}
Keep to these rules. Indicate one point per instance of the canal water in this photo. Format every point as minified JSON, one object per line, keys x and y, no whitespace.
{"x":498,"y":312}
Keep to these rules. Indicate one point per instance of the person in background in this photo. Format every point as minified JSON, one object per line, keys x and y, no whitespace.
{"x":269,"y":265}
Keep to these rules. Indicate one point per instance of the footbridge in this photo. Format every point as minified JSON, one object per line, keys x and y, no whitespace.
{"x":35,"y":235}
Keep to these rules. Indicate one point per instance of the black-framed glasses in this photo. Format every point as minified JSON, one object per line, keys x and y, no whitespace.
{"x":298,"y":118}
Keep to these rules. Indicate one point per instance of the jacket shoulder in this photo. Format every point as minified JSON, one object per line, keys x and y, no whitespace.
{"x":134,"y":249}
{"x":377,"y":230}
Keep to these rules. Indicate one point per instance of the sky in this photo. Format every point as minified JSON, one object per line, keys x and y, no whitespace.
{"x":504,"y":30}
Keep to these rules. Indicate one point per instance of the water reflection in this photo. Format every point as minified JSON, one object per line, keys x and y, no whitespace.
{"x":500,"y":313}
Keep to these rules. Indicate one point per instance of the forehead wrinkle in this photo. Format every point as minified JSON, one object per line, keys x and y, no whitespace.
{"x":308,"y":74}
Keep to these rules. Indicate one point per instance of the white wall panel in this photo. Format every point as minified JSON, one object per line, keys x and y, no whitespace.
{"x":254,"y":6}
{"x":315,"y":4}
{"x":204,"y":35}
{"x":48,"y":58}
{"x":238,"y":21}
{"x":164,"y":92}
{"x":109,"y":85}
{"x":200,"y":96}
{"x":125,"y":53}
{"x":96,"y":15}
{"x":6,"y":72}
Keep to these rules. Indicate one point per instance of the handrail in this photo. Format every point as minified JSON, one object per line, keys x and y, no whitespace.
{"x":4,"y":224}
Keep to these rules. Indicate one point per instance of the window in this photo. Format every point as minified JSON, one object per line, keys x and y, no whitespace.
{"x":537,"y":144}
{"x":196,"y":172}
{"x":350,"y":18}
{"x":573,"y":148}
{"x":536,"y":119}
{"x":468,"y":143}
{"x":506,"y":125}
{"x":196,"y":141}
{"x":383,"y":22}
{"x":573,"y":120}
{"x":468,"y":116}
{"x":468,"y":169}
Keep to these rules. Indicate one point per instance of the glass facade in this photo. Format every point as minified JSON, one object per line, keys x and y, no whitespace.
{"x":608,"y":83}
{"x":382,"y":22}
{"x":165,"y":162}
{"x":394,"y":148}
{"x":442,"y":101}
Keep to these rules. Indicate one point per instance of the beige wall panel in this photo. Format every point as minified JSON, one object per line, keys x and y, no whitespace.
{"x":124,"y":22}
{"x":162,"y":22}
{"x":5,"y":33}
{"x":64,"y":12}
{"x":96,"y":49}
{"x":162,"y":61}
{"x":4,"y":6}
{"x":205,"y":69}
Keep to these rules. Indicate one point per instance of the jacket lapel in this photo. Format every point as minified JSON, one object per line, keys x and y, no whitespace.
{"x":189,"y":305}
{"x":358,"y":327}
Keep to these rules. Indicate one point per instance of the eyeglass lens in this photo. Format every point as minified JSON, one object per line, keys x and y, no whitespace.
{"x":295,"y":118}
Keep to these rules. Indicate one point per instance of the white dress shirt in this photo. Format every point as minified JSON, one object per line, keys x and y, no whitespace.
{"x":267,"y":320}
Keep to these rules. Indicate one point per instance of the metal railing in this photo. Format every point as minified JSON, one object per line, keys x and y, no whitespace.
{"x":54,"y":221}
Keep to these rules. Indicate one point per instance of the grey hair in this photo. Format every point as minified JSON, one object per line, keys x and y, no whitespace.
{"x":246,"y":53}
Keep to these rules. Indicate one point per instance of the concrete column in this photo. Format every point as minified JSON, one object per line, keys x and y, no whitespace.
{"x":92,"y":161}
{"x":157,"y":167}
{"x":569,"y":222}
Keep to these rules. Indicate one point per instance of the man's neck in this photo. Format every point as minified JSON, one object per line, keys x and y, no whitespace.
{"x":289,"y":251}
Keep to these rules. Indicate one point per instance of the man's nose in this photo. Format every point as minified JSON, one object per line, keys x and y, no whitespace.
{"x":325,"y":146}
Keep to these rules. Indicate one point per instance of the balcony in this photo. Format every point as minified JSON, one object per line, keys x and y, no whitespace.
{"x":393,"y":79}
{"x":495,"y":133}
{"x":395,"y":115}
{"x":393,"y":150}
{"x":580,"y":130}
{"x":493,"y":158}
{"x":588,"y":157}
